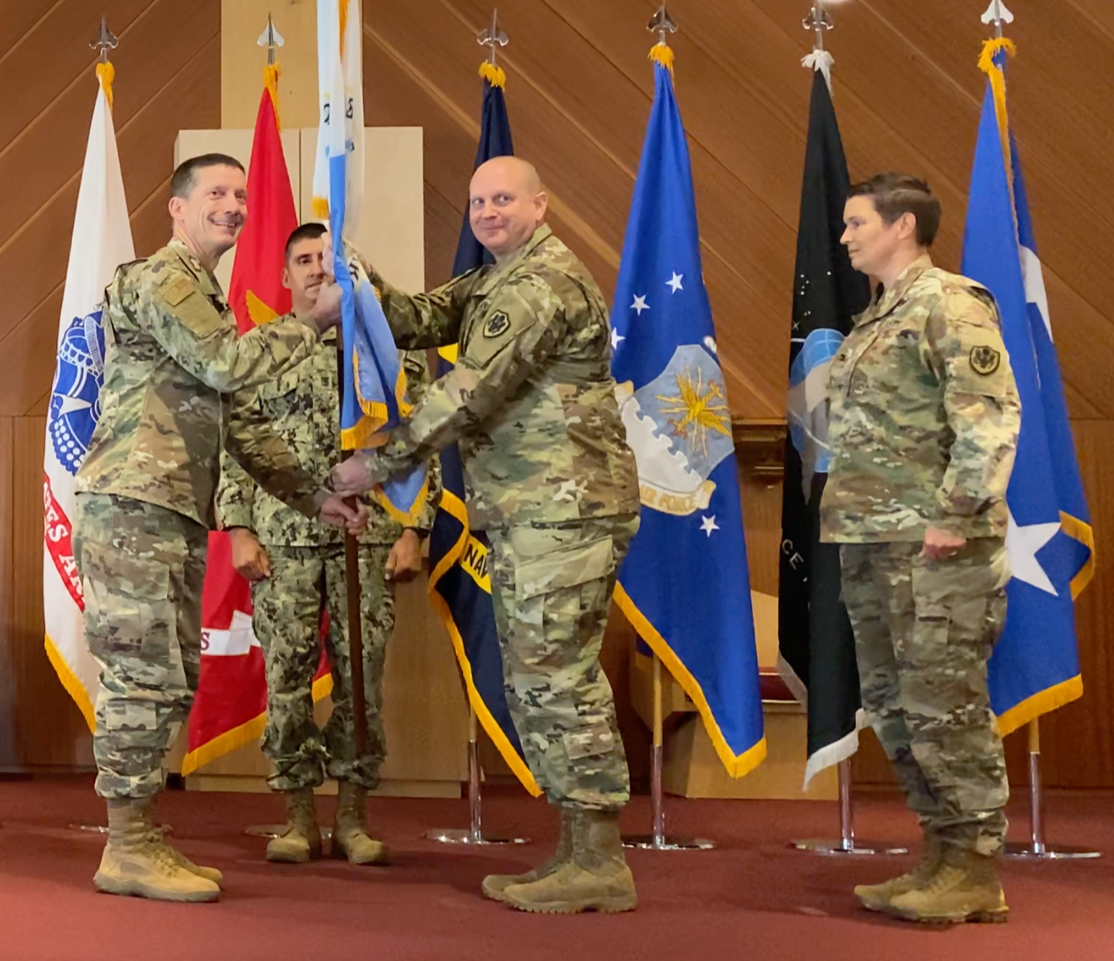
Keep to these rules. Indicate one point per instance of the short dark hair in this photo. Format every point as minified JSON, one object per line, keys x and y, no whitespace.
{"x":309,"y":231}
{"x":894,"y":195}
{"x":185,"y":177}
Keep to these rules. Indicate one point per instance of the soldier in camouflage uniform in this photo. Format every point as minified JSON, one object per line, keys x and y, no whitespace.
{"x":923,"y":430}
{"x":297,"y":567}
{"x":145,"y":504}
{"x":550,"y":478}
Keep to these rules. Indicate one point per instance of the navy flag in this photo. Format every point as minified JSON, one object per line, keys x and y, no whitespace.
{"x":459,"y":585}
{"x":1035,"y":667}
{"x":684,"y":585}
{"x":816,"y":645}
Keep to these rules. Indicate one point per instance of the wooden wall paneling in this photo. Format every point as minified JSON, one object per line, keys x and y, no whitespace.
{"x":50,"y":730}
{"x":8,"y":753}
{"x":60,"y":39}
{"x":443,"y":220}
{"x":145,"y":143}
{"x":1098,"y":13}
{"x":18,"y":20}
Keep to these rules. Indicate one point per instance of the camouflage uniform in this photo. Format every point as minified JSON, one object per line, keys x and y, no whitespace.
{"x":548,"y":475}
{"x":145,"y":495}
{"x":923,"y":430}
{"x":308,"y":574}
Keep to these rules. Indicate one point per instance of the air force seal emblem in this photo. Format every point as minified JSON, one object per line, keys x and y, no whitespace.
{"x":75,"y":405}
{"x":985,"y":360}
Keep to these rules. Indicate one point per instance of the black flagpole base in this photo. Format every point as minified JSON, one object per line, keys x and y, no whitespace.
{"x":667,"y":842}
{"x":277,"y":831}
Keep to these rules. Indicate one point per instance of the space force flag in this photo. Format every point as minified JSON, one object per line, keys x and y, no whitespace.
{"x":1035,"y":666}
{"x":102,"y":239}
{"x":684,"y":585}
{"x":373,"y":388}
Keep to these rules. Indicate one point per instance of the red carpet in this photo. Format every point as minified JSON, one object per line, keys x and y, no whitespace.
{"x":752,"y":898}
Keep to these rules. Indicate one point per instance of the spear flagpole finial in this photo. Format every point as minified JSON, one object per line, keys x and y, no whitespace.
{"x":106,"y":40}
{"x":997,"y":13}
{"x":663,"y":24}
{"x":818,"y":20}
{"x":271,"y":39}
{"x":493,"y":38}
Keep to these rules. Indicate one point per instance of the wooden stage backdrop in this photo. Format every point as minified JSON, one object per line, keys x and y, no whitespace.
{"x":579,"y":86}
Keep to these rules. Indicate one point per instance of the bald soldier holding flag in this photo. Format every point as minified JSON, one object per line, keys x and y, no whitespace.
{"x":550,"y":479}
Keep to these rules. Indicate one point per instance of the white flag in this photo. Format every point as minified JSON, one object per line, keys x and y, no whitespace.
{"x":340,"y":76}
{"x":102,"y":240}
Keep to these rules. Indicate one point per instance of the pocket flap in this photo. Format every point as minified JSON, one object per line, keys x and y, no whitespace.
{"x":146,"y":578}
{"x":564,"y":568}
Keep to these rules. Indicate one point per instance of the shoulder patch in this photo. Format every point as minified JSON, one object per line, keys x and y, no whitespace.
{"x":177,"y":291}
{"x":497,"y":324}
{"x":985,"y":360}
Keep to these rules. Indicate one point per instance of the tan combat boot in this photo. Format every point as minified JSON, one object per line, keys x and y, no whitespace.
{"x":964,"y":888}
{"x":350,"y":837}
{"x":495,"y":884}
{"x":595,"y":879}
{"x":157,"y":837}
{"x":302,"y":838}
{"x":877,"y":897}
{"x":133,"y":864}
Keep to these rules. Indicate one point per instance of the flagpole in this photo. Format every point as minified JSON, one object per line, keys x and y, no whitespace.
{"x":493,"y":38}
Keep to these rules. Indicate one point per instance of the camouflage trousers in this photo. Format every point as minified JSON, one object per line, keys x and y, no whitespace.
{"x":142,"y":568}
{"x":924,"y":632}
{"x":288,"y":605}
{"x":551,"y":588}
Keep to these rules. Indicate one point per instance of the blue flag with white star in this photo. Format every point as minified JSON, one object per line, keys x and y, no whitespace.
{"x":684,"y":585}
{"x":1035,"y":667}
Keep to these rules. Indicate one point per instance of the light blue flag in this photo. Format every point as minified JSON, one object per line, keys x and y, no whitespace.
{"x":684,"y":584}
{"x":1035,"y":667}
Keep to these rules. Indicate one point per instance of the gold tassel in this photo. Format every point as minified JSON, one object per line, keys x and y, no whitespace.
{"x":271,"y":74}
{"x":998,"y":90}
{"x":320,"y":208}
{"x":662,"y":53}
{"x":106,"y":73}
{"x":493,"y":74}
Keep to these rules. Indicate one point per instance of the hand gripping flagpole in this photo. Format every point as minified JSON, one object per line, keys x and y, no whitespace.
{"x":663,"y":24}
{"x":493,"y":38}
{"x":818,"y":21}
{"x":1036,"y":849}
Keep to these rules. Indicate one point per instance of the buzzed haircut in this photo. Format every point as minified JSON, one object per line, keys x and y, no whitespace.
{"x":185,"y":177}
{"x":309,"y":231}
{"x":894,"y":195}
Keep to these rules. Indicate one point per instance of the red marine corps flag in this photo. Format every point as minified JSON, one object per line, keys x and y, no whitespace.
{"x":231,"y":703}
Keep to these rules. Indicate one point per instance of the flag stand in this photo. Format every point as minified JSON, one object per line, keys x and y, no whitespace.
{"x":659,"y":840}
{"x":1036,"y":849}
{"x":846,"y":843}
{"x":473,"y":834}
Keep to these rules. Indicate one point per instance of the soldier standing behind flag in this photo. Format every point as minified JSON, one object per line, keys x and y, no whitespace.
{"x":923,"y":431}
{"x":145,"y":503}
{"x":550,"y":479}
{"x":297,"y":569}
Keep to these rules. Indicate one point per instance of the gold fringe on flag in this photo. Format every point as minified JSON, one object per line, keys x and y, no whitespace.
{"x":493,"y":74}
{"x":662,"y":53}
{"x":271,"y":74}
{"x":106,"y":73}
{"x":998,"y":89}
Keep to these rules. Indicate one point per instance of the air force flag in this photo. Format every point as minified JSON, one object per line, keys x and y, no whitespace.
{"x":684,"y":585}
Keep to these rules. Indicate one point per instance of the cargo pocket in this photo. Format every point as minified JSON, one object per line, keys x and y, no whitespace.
{"x":128,"y":611}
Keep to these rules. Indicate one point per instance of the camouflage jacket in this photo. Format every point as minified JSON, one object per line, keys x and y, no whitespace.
{"x":531,"y":400}
{"x":924,"y":415}
{"x":171,"y":352}
{"x":303,"y":406}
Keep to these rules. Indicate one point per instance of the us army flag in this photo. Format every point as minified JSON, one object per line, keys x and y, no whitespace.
{"x":459,"y":585}
{"x":1035,"y":666}
{"x":684,"y":585}
{"x":101,"y":240}
{"x":817,"y":647}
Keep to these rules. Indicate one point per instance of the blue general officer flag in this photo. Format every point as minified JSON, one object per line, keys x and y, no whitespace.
{"x":1035,"y":667}
{"x":459,"y":584}
{"x":684,"y":584}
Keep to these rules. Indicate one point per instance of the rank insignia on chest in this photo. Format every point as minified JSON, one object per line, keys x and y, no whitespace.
{"x":497,"y":324}
{"x":985,"y":360}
